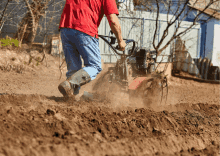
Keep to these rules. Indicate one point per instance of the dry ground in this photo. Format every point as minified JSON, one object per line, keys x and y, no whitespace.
{"x":34,"y":120}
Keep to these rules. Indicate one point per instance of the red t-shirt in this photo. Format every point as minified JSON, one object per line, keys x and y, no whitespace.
{"x":86,"y":15}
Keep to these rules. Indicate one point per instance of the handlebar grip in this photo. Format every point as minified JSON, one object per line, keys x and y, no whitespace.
{"x":117,"y":47}
{"x":127,"y":41}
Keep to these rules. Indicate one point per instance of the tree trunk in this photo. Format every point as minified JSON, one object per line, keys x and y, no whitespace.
{"x":3,"y":14}
{"x":31,"y":19}
{"x":22,"y":35}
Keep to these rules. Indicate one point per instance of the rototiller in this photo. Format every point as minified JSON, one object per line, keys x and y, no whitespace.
{"x":135,"y":72}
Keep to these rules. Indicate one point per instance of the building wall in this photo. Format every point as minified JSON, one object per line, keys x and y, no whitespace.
{"x":192,"y":38}
{"x":140,"y":26}
{"x":207,"y":44}
{"x":216,"y":45}
{"x":209,"y":40}
{"x":209,"y":36}
{"x":125,"y":5}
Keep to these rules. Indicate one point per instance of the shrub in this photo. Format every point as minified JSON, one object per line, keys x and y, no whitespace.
{"x":5,"y":42}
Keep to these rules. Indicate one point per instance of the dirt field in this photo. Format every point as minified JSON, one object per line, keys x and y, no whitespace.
{"x":35,"y":121}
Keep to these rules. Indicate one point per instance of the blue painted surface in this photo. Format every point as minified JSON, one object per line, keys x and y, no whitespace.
{"x":207,"y":33}
{"x":209,"y":42}
{"x":203,"y":39}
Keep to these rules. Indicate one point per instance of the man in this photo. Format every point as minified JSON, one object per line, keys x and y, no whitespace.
{"x":79,"y":34}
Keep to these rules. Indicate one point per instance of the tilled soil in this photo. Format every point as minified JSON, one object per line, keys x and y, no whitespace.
{"x":40,"y":125}
{"x":34,"y":119}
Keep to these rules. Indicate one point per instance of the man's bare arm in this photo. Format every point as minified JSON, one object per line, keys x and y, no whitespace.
{"x":115,"y":26}
{"x":116,"y":29}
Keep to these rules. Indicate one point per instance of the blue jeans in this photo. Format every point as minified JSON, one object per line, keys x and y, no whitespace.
{"x":76,"y":44}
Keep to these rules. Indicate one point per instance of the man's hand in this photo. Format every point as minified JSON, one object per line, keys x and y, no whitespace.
{"x":122,"y":45}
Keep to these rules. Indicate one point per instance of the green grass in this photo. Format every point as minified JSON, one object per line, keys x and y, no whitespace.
{"x":9,"y":42}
